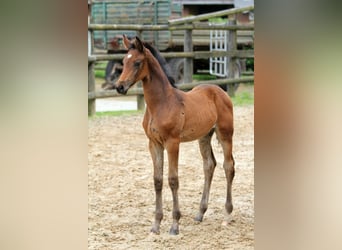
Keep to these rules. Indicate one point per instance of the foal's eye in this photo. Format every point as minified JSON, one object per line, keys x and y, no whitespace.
{"x":137,"y":64}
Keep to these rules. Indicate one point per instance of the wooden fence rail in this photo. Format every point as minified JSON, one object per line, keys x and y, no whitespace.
{"x":194,"y":55}
{"x":188,"y":24}
{"x":194,"y":26}
{"x":183,"y":86}
{"x":207,"y":16}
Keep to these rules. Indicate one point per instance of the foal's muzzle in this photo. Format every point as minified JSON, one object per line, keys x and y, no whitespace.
{"x":121,"y":90}
{"x":122,"y":87}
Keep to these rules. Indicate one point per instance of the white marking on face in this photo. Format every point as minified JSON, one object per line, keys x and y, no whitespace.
{"x":129,"y":55}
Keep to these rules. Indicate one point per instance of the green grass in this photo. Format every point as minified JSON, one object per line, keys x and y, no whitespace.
{"x":100,"y":73}
{"x":118,"y":113}
{"x":243,"y":99}
{"x":203,"y":77}
{"x":217,"y":20}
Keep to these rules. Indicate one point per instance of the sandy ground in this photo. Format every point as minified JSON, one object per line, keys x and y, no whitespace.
{"x":121,"y":194}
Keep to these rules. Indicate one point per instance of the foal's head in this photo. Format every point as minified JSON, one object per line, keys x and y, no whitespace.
{"x":135,"y":65}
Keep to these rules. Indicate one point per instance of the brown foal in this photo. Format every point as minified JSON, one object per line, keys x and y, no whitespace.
{"x":173,"y":116}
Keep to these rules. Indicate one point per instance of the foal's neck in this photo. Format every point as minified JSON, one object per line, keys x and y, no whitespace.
{"x":157,"y":89}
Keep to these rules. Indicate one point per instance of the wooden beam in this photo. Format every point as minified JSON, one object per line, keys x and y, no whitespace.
{"x":210,"y":15}
{"x":91,"y":88}
{"x":197,"y":26}
{"x":231,"y":61}
{"x":195,"y":55}
{"x":188,"y":61}
{"x":183,"y":86}
{"x":223,"y":81}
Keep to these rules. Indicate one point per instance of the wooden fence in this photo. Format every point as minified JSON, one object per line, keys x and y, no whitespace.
{"x":188,"y":24}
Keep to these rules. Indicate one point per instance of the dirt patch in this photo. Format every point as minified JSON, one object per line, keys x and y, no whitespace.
{"x":121,"y":194}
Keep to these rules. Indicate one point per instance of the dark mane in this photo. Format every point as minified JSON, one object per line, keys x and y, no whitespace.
{"x":162,"y":62}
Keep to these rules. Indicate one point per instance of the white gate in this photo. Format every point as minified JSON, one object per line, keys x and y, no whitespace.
{"x":218,"y":42}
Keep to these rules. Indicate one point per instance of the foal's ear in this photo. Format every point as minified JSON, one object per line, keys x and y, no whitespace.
{"x":126,"y":42}
{"x":139,"y":45}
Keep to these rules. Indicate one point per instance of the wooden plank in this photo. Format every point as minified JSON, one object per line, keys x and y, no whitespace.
{"x":187,"y":86}
{"x":210,"y":15}
{"x":201,"y":2}
{"x":231,"y":61}
{"x":196,"y":55}
{"x":167,"y":27}
{"x":188,"y":63}
{"x":140,"y":102}
{"x":183,"y":86}
{"x":204,"y":42}
{"x":91,"y":88}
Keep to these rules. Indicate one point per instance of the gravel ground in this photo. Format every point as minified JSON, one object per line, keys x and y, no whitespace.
{"x":121,"y":193}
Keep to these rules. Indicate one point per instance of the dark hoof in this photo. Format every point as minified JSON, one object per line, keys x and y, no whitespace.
{"x":174,"y":231}
{"x":154,"y":232}
{"x":198,"y":218}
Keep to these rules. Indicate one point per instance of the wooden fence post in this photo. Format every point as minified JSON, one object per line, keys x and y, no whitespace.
{"x":188,"y":62}
{"x":91,"y":76}
{"x":140,"y":98}
{"x":231,"y":61}
{"x":140,"y":102}
{"x":91,"y":88}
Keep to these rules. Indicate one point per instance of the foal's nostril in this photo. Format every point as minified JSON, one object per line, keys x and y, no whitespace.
{"x":120,"y":89}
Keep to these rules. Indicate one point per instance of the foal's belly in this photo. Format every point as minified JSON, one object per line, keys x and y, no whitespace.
{"x":200,"y":115}
{"x":198,"y":124}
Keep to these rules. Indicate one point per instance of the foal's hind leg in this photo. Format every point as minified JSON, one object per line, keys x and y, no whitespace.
{"x":209,"y":164}
{"x":225,"y":137}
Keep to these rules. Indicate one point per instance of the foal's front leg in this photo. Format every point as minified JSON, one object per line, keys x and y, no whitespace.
{"x":172,"y":148}
{"x":157,"y":154}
